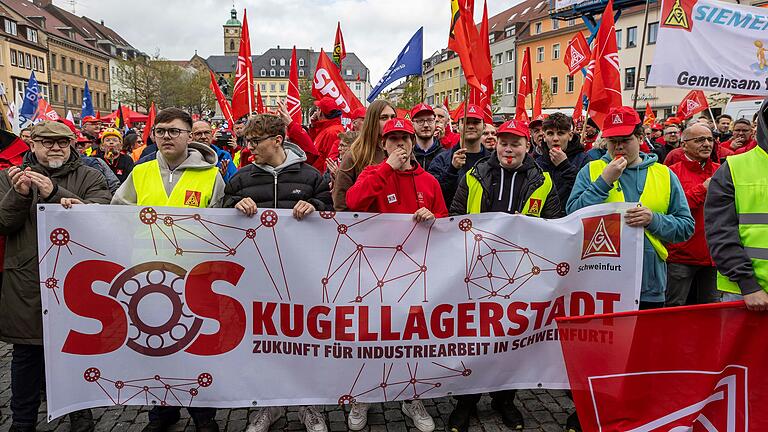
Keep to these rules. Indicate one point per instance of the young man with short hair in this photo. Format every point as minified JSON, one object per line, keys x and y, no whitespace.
{"x":722,"y":132}
{"x":489,"y":137}
{"x":427,"y":145}
{"x":562,"y":153}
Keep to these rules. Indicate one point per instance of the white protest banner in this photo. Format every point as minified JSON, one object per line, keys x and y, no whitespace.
{"x":712,"y":45}
{"x":192,"y":307}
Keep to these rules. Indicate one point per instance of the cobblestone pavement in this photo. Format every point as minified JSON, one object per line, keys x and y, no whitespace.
{"x":544,"y":410}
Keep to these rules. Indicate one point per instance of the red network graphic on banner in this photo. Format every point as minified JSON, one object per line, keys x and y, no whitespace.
{"x":153,"y":390}
{"x":488,"y":263}
{"x":168,"y":224}
{"x":414,"y":385}
{"x":349,"y":268}
{"x":60,"y":238}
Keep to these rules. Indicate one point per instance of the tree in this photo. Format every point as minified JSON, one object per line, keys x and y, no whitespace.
{"x":137,"y":84}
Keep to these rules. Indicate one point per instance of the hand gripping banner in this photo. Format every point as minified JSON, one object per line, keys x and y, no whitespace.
{"x":168,"y":306}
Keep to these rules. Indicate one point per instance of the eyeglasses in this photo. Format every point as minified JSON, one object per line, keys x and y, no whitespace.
{"x":671,"y":133}
{"x":254,"y":142}
{"x":60,"y":143}
{"x":700,"y":140}
{"x":172,"y":132}
{"x":202,"y":133}
{"x":424,"y":121}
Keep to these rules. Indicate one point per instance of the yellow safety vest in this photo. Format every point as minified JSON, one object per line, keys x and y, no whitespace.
{"x":194,"y":188}
{"x":750,"y":184}
{"x":656,"y":195}
{"x":533,"y":205}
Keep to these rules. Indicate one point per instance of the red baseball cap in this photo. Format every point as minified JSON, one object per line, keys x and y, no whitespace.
{"x":326,"y":104}
{"x":513,"y":127}
{"x":398,"y":125}
{"x":89,"y":119}
{"x":473,"y":111}
{"x":420,"y":108}
{"x":620,"y":121}
{"x":358,"y":113}
{"x":673,"y":121}
{"x":657,"y":126}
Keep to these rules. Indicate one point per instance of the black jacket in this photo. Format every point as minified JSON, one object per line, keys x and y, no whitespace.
{"x":487,"y":172}
{"x":448,"y":176}
{"x":425,"y":157}
{"x":121,"y":166}
{"x":281,"y":187}
{"x":564,"y":175}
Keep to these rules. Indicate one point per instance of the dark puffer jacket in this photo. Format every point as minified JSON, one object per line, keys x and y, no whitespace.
{"x":20,"y":305}
{"x":564,"y":175}
{"x":282,"y":186}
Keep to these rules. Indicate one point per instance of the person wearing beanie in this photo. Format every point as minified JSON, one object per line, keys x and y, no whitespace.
{"x":110,"y":151}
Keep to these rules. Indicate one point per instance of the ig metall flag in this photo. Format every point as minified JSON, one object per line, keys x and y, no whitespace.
{"x":87,"y":108}
{"x":29,"y":106}
{"x":408,"y":63}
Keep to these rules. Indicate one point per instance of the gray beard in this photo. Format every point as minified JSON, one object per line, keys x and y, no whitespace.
{"x":55,"y":164}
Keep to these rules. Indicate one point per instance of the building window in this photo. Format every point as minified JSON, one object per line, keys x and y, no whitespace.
{"x":492,"y":38}
{"x":272,"y":88}
{"x":571,"y":22}
{"x":34,"y":63}
{"x":63,"y":63}
{"x":509,"y":31}
{"x":263,"y":87}
{"x":282,"y":72}
{"x":41,"y":64}
{"x":282,"y":62}
{"x":555,"y":24}
{"x":55,"y":95}
{"x":31,"y":35}
{"x":358,"y":86}
{"x":510,"y":85}
{"x":555,"y":51}
{"x":282,"y":88}
{"x":89,"y":71}
{"x":81,"y":69}
{"x":631,"y":37}
{"x":510,"y":55}
{"x":618,"y":39}
{"x":349,"y":72}
{"x":629,"y":78}
{"x":653,"y":32}
{"x":27,"y":61}
{"x":301,"y":72}
{"x":74,"y":94}
{"x":98,"y":99}
{"x":301,"y":62}
{"x":569,"y":83}
{"x":263,"y":72}
{"x":272,"y":62}
{"x":539,"y":54}
{"x":272,"y":72}
{"x":10,"y":27}
{"x":498,"y":86}
{"x":647,"y":74}
{"x":553,"y":85}
{"x":537,"y":28}
{"x":499,"y":59}
{"x":456,"y":95}
{"x":450,"y":73}
{"x":13,"y":57}
{"x":72,"y":66}
{"x":53,"y":61}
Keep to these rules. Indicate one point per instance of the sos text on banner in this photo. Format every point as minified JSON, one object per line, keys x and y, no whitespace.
{"x":211,"y":308}
{"x":694,"y":34}
{"x":660,"y":373}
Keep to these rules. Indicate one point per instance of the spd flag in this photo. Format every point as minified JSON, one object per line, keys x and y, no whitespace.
{"x":647,"y":371}
{"x":577,"y":54}
{"x":694,"y":102}
{"x":242,"y":95}
{"x":328,"y":82}
{"x":293,"y":101}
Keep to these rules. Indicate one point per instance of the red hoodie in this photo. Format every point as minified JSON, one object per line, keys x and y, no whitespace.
{"x":326,"y":136}
{"x":381,"y":189}
{"x":692,"y":176}
{"x":749,"y":146}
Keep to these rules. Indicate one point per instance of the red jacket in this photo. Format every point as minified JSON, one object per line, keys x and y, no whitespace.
{"x":749,"y":146}
{"x":450,"y":140}
{"x":691,"y":174}
{"x":11,"y":155}
{"x":381,"y":189}
{"x":678,"y":155}
{"x":326,"y":136}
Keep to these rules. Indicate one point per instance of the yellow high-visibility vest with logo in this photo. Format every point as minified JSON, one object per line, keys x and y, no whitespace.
{"x":533,"y":205}
{"x":656,"y":195}
{"x":194,"y":188}
{"x":750,"y":184}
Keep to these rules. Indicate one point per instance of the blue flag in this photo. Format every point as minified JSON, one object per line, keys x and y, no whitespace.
{"x":29,"y":107}
{"x":407,"y":63}
{"x":87,"y":108}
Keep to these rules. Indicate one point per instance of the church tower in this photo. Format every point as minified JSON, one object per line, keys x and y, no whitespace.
{"x":232,"y":34}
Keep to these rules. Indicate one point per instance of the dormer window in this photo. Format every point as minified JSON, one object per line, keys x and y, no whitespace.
{"x":10,"y":27}
{"x":282,"y":62}
{"x":31,"y":35}
{"x":263,"y":72}
{"x":272,"y":62}
{"x":301,"y":62}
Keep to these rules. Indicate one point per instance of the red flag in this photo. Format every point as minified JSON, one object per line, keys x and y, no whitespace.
{"x":45,"y":111}
{"x":482,"y":97}
{"x":339,"y":50}
{"x":536,"y":114}
{"x":650,"y":117}
{"x":226,"y":110}
{"x":259,"y":101}
{"x":694,"y":102}
{"x":525,"y":87}
{"x":328,"y":82}
{"x":578,"y":110}
{"x":604,"y":82}
{"x":446,"y":104}
{"x":647,"y":371}
{"x":242,"y":95}
{"x":577,"y":54}
{"x":458,"y":113}
{"x":293,"y":101}
{"x":461,"y":37}
{"x":151,"y":121}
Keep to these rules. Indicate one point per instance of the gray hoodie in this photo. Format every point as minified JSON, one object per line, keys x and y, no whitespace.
{"x":199,"y":156}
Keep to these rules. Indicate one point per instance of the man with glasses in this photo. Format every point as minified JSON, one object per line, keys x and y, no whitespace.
{"x":691,"y":275}
{"x":183,"y":174}
{"x":52,"y":172}
{"x":671,"y":141}
{"x":203,"y":134}
{"x":427,"y":144}
{"x":743,"y":138}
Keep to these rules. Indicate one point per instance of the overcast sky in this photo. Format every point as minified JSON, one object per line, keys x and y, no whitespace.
{"x":376,"y":30}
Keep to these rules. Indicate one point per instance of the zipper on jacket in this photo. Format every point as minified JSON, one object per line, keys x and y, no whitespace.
{"x":275,"y":193}
{"x":170,"y":178}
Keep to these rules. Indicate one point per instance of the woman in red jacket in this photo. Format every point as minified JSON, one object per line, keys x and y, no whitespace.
{"x":399,"y":184}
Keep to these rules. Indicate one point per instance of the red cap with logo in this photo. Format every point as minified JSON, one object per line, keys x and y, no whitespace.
{"x":421,"y":108}
{"x":358,"y":113}
{"x":513,"y":127}
{"x":620,"y":121}
{"x":89,"y":119}
{"x":326,"y":104}
{"x":657,"y":126}
{"x":473,"y":111}
{"x":398,"y":125}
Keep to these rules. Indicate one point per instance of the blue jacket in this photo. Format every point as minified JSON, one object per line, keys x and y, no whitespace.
{"x":221,"y":155}
{"x":674,"y":227}
{"x":448,"y":176}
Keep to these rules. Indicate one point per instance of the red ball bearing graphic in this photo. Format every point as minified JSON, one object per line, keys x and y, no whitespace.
{"x":465,"y":225}
{"x":156,"y":279}
{"x":205,"y":379}
{"x":148,"y":216}
{"x":563,"y":268}
{"x":250,"y":233}
{"x":168,"y":221}
{"x":342,"y":229}
{"x":92,"y":374}
{"x":327,"y":214}
{"x":346,"y":399}
{"x":60,"y":237}
{"x":269,"y":218}
{"x":51,"y":283}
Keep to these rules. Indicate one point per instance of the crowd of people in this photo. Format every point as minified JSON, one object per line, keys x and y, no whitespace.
{"x":701,"y":188}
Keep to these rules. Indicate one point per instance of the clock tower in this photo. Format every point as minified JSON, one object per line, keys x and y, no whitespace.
{"x":232,"y":34}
